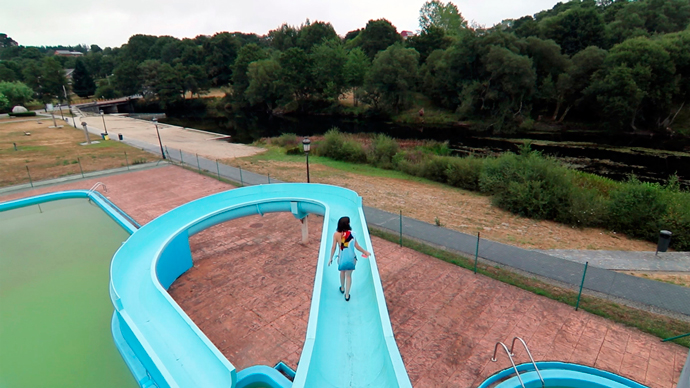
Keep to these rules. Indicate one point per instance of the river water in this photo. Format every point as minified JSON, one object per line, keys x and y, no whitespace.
{"x":650,"y":158}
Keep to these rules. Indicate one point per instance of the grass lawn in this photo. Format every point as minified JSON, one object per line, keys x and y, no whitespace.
{"x":47,"y":153}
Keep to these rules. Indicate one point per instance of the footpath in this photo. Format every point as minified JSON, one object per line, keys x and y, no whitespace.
{"x":564,"y":268}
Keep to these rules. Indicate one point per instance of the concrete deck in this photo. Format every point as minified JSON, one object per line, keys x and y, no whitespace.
{"x":250,"y":290}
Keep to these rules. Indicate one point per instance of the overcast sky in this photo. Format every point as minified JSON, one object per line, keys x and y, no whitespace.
{"x":111,"y":23}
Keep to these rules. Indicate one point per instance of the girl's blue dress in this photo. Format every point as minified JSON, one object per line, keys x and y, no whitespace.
{"x":347,"y":257}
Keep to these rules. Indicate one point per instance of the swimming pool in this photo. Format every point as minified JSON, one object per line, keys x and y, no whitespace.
{"x":559,"y":375}
{"x":55,"y":311}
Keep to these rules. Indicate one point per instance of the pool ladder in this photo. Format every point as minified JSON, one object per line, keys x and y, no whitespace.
{"x":94,"y":187}
{"x":511,"y":355}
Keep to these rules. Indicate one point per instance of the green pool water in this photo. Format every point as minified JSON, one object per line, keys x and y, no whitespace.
{"x":55,"y":309}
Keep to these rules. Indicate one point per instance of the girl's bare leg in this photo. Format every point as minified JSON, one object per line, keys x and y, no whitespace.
{"x":342,"y":279}
{"x":348,"y":283}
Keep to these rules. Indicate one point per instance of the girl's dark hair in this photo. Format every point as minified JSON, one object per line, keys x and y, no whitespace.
{"x":344,"y":224}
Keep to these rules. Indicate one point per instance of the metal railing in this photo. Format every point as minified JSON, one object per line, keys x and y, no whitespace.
{"x":95,"y":186}
{"x":511,"y":354}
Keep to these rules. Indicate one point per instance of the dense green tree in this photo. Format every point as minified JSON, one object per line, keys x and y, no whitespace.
{"x":7,"y":73}
{"x":220,"y":52}
{"x":328,"y":69}
{"x":137,"y":47}
{"x":392,"y":78}
{"x":126,"y":78}
{"x":430,"y":39}
{"x":105,"y":90}
{"x":571,"y":85}
{"x":52,"y":79}
{"x":575,"y":29}
{"x":95,"y":49}
{"x":649,"y":66}
{"x":311,"y":34}
{"x":618,"y":95}
{"x":296,"y":74}
{"x":195,"y":80}
{"x":435,"y":13}
{"x":352,"y":35}
{"x":82,"y":82}
{"x":283,"y":38}
{"x":6,"y":41}
{"x":356,"y":69}
{"x":525,"y":26}
{"x":240,"y":80}
{"x":264,"y":83}
{"x":4,"y":103}
{"x":16,"y":93}
{"x":376,"y":36}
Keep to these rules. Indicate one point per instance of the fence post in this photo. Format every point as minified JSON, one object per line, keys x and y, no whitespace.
{"x":126,"y":160}
{"x":401,"y":228}
{"x":181,"y":160}
{"x":80,"y":169}
{"x":476,"y":254}
{"x":29,"y":173}
{"x":269,"y":178}
{"x":241,"y":180}
{"x":218,"y":169}
{"x":577,"y":305}
{"x":198,"y":166}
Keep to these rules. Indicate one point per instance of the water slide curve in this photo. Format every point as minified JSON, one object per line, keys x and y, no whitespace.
{"x":348,"y":344}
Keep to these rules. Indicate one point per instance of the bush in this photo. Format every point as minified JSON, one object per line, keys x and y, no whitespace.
{"x":587,"y":208}
{"x":383,"y":149}
{"x":436,"y":148}
{"x":23,"y":114}
{"x":287,"y":140}
{"x":336,"y":146}
{"x":529,"y":185}
{"x":637,"y":209}
{"x":464,"y":172}
{"x":677,"y":217}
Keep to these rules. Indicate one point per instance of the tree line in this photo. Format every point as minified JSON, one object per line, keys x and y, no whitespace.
{"x":621,"y":62}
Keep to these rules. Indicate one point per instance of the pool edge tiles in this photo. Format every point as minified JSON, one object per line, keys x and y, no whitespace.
{"x":561,"y":374}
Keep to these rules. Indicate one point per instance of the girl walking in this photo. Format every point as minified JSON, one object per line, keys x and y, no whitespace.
{"x":347,"y":259}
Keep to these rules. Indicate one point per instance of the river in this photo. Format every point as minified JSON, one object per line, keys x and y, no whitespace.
{"x":650,"y":158}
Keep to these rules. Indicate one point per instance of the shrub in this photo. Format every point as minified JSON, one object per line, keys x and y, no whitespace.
{"x":434,"y":168}
{"x":383,"y":149}
{"x":436,"y":147}
{"x":587,"y":208}
{"x":332,"y":144}
{"x":677,"y":219}
{"x":336,"y":146}
{"x":286,"y":140}
{"x":636,"y":209}
{"x":464,"y":172}
{"x":529,"y":185}
{"x":23,"y":114}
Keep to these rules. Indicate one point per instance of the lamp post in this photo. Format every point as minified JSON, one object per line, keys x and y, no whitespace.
{"x":155,"y":122}
{"x":86,"y":132}
{"x":103,"y":117}
{"x":306,"y":144}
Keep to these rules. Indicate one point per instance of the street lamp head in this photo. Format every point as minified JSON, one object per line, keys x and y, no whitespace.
{"x":306,"y":144}
{"x":83,"y":123}
{"x":101,"y":111}
{"x":155,"y":119}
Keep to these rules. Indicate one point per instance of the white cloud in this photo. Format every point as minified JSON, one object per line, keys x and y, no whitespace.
{"x":111,"y":23}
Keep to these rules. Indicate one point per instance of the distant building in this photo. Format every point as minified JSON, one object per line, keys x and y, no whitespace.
{"x":67,"y":53}
{"x":68,"y":73}
{"x":406,"y":34}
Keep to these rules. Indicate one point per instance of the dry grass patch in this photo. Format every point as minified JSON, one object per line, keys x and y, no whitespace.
{"x":55,"y":152}
{"x":677,"y":278}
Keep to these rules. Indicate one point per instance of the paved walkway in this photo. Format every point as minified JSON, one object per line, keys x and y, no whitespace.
{"x":626,"y":260}
{"x":253,"y":302}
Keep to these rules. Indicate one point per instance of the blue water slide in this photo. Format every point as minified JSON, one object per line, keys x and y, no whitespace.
{"x":348,"y":344}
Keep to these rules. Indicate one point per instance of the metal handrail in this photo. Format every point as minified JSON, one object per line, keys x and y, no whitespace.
{"x":530,"y":357}
{"x":510,"y":356}
{"x":94,"y":187}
